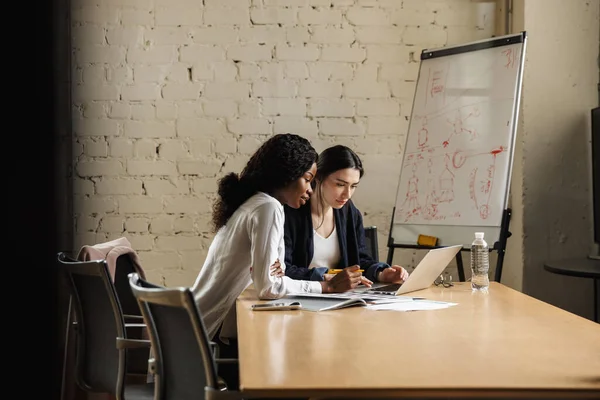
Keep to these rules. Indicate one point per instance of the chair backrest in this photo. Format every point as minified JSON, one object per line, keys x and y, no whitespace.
{"x":371,"y":242}
{"x":137,"y":359}
{"x":185,"y":366}
{"x":128,"y":302}
{"x":100,"y":366}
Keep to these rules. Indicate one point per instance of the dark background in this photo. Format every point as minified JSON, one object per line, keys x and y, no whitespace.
{"x":37,"y":187}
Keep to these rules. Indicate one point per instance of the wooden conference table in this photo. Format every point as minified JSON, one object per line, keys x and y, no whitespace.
{"x":503,"y":344}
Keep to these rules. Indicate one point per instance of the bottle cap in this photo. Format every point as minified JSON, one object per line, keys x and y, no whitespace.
{"x":479,"y":235}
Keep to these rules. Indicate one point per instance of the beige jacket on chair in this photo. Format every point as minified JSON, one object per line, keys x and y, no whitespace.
{"x":111,"y":251}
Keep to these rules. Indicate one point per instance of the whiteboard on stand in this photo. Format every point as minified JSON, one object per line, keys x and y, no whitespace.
{"x":458,"y":154}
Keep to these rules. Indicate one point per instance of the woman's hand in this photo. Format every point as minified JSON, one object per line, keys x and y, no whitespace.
{"x":393,"y":274}
{"x":276,"y":269}
{"x":365,"y":281}
{"x":349,"y":278}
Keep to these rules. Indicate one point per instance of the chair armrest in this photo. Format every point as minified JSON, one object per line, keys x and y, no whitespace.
{"x":214,"y":347}
{"x":221,"y":384}
{"x":215,"y":394}
{"x":152,"y":365}
{"x":123,"y":343}
{"x":226,"y":360}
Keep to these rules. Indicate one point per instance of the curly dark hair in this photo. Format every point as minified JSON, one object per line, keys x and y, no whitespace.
{"x":279,"y":161}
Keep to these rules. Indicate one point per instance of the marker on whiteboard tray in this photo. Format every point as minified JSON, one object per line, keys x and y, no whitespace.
{"x":425,"y":240}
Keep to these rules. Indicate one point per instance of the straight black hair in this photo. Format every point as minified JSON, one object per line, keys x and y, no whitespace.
{"x":331,"y":160}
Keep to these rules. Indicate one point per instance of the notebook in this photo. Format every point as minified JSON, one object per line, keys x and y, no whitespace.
{"x":430,"y":267}
{"x":322,"y":304}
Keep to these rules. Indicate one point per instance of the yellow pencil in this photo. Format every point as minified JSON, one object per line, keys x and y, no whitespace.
{"x":337,"y":271}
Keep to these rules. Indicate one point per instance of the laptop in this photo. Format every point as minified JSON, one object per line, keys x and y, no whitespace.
{"x":428,"y":270}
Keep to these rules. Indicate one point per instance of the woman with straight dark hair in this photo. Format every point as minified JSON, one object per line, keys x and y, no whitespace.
{"x":327,"y":232}
{"x":248,"y":218}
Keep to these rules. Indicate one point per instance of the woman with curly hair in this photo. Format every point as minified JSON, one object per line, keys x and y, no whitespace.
{"x":248,"y":218}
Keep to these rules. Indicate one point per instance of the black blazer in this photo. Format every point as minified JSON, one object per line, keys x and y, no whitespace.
{"x":299,"y":244}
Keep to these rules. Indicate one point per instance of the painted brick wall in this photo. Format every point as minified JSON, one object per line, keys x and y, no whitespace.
{"x":169,"y":95}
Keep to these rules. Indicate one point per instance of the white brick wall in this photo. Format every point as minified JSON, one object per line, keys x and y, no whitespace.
{"x":171,"y":94}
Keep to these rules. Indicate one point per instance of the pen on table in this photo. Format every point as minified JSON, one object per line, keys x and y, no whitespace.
{"x":337,"y":271}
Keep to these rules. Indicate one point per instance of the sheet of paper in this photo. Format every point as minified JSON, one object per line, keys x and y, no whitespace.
{"x":416,"y":305}
{"x":353,"y":295}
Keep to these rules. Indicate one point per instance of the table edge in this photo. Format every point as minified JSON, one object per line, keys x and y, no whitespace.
{"x":560,"y":393}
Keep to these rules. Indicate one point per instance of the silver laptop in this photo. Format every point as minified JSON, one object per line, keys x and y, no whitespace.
{"x":428,"y":270}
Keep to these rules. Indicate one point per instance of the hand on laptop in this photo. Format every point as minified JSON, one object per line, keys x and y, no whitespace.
{"x":365,"y":281}
{"x":393,"y":274}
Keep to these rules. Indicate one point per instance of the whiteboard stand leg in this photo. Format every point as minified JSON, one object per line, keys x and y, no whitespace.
{"x":501,"y":244}
{"x":390,"y":256}
{"x":390,"y":242}
{"x":460,"y":267}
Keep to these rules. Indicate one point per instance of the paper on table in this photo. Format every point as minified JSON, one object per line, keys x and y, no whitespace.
{"x":416,"y":305}
{"x":353,"y":295}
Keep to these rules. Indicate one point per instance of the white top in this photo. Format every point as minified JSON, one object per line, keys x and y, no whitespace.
{"x":239,"y":255}
{"x":326,"y":251}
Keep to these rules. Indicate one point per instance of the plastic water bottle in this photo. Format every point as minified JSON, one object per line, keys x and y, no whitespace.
{"x":480,"y":263}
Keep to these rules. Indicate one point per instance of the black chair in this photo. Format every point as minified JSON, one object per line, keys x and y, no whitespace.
{"x":371,"y":242}
{"x":137,"y":361}
{"x":185,"y":360}
{"x":102,"y":340}
{"x":129,"y":305}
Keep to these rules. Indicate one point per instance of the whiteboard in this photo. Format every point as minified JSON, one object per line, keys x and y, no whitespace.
{"x":458,"y":154}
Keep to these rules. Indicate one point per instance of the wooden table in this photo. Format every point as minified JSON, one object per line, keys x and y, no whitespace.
{"x":502,"y":344}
